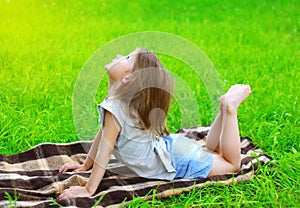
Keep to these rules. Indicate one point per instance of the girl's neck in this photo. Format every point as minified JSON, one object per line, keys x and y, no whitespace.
{"x":112,"y":85}
{"x":109,"y":91}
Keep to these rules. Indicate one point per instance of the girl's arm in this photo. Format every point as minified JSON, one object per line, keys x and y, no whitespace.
{"x":108,"y":140}
{"x":93,"y":151}
{"x":89,"y":159}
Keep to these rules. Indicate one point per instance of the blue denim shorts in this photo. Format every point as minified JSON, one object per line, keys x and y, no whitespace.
{"x":188,"y":158}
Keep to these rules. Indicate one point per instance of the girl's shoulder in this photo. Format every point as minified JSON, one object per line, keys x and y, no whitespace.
{"x":110,"y":104}
{"x":114,"y":106}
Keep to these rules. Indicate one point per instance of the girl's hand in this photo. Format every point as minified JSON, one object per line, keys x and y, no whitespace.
{"x":74,"y":191}
{"x":73,"y":167}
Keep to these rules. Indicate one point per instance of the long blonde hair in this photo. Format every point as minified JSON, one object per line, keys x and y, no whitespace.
{"x":148,"y":93}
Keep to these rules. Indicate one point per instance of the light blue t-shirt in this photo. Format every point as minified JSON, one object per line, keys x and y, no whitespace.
{"x":140,"y":150}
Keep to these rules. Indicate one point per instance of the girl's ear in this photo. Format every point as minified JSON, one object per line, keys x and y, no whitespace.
{"x":126,"y":79}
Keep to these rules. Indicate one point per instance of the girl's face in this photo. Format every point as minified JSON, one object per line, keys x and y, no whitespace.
{"x":120,"y":67}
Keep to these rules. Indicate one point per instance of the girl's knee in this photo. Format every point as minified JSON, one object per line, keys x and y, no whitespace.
{"x":222,"y":166}
{"x":236,"y":166}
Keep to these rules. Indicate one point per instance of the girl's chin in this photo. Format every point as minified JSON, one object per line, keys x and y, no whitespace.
{"x":107,"y":67}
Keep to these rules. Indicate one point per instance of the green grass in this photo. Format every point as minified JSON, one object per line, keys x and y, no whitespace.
{"x":44,"y":44}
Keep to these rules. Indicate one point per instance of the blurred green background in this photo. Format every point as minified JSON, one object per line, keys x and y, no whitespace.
{"x":44,"y":44}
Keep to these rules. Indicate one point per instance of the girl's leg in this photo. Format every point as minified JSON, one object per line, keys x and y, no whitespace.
{"x":230,"y":157}
{"x":214,"y":134}
{"x":213,"y":137}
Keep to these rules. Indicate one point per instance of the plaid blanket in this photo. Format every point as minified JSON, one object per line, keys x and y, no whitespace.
{"x":31,"y":178}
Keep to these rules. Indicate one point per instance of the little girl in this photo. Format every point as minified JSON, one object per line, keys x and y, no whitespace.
{"x":134,"y":129}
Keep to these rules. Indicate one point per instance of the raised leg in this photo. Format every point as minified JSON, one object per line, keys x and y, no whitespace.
{"x":229,"y":145}
{"x":214,"y":134}
{"x":213,"y":137}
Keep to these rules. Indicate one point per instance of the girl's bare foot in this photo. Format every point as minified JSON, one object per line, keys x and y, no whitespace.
{"x":235,"y":96}
{"x":234,"y":88}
